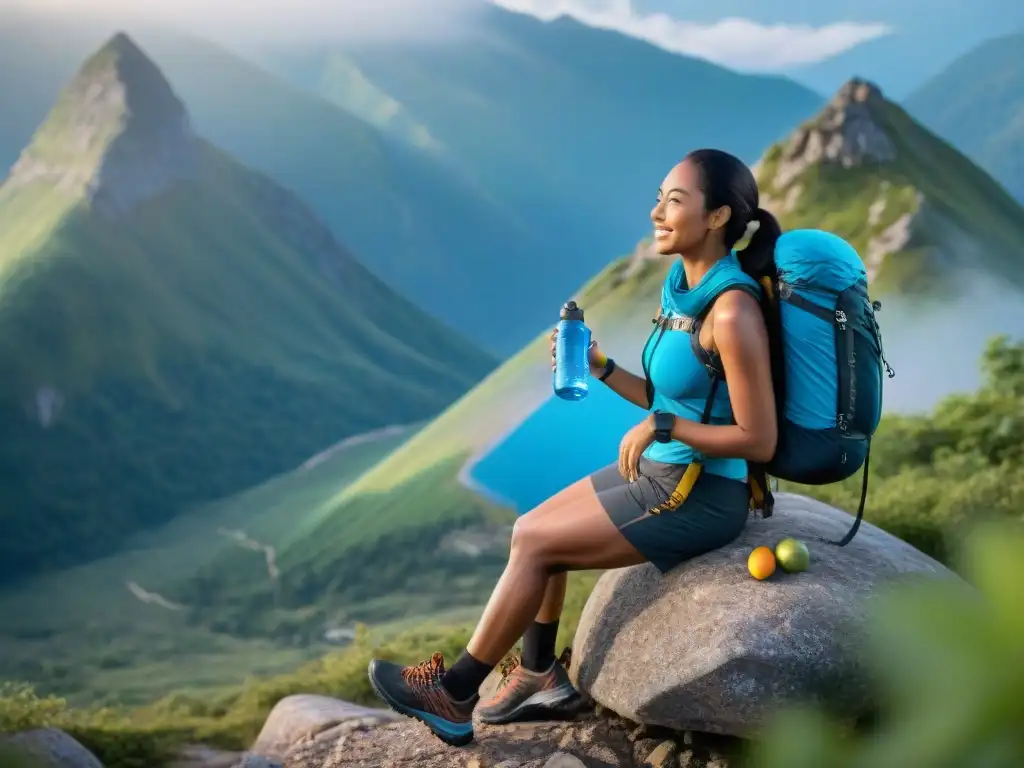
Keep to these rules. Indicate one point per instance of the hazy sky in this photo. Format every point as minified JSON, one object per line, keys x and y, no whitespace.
{"x":734,"y":41}
{"x":897,"y":43}
{"x":256,"y":21}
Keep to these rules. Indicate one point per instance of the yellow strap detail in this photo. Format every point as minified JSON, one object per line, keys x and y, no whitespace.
{"x":682,"y":490}
{"x":766,"y":283}
{"x":757,"y":494}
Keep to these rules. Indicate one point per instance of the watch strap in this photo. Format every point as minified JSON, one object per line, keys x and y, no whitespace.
{"x":608,"y":368}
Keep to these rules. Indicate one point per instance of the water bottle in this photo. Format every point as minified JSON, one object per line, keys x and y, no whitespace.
{"x":572,"y":360}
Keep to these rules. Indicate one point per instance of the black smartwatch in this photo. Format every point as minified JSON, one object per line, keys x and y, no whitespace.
{"x":663,"y":423}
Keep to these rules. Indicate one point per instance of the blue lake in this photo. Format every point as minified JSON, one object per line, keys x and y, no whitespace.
{"x":560,"y":443}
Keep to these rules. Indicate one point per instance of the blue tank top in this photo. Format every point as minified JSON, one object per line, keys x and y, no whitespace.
{"x":680,"y":379}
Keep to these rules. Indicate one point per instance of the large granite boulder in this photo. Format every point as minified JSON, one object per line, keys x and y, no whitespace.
{"x":708,"y":648}
{"x":301,"y":718}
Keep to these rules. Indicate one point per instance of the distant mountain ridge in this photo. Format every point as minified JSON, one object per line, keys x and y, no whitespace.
{"x":573,"y":126}
{"x":977,"y":103}
{"x":175,"y":327}
{"x":451,"y":166}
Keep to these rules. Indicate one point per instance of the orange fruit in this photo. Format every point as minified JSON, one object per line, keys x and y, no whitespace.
{"x":761,"y":563}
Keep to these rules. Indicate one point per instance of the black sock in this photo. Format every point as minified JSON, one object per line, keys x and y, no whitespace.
{"x":465,"y":677}
{"x":539,"y":646}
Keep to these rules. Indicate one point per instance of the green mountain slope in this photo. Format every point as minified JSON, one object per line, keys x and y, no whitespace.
{"x":423,"y":492}
{"x":175,"y":327}
{"x":977,"y":103}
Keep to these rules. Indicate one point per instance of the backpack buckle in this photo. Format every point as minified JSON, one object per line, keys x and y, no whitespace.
{"x":785,"y":290}
{"x":841,"y":319}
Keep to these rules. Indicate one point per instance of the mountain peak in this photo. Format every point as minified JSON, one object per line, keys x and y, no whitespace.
{"x":117,"y":135}
{"x":857,"y":90}
{"x":847,"y":132}
{"x":120,"y":42}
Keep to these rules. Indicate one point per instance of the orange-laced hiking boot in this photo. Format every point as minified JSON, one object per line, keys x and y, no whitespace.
{"x":526,"y":695}
{"x":416,"y":691}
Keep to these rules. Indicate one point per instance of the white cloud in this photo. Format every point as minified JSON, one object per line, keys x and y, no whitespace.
{"x":737,"y":43}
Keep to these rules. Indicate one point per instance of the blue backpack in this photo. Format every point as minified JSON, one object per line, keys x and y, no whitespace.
{"x":827,"y":364}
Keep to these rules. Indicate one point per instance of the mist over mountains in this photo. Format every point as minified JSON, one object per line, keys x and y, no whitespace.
{"x":936,"y":349}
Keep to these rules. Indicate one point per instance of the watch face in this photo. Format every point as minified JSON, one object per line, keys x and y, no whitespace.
{"x":663,"y":423}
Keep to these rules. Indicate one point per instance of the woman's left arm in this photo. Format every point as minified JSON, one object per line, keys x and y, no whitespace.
{"x":741,"y":339}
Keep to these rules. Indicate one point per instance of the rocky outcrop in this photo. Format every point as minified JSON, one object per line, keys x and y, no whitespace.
{"x":298,"y":719}
{"x":846,"y":132}
{"x":707,"y":648}
{"x":48,"y":748}
{"x":592,"y":740}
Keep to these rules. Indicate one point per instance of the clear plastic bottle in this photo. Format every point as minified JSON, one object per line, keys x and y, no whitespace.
{"x":572,"y":355}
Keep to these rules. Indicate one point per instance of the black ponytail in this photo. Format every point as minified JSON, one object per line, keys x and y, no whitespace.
{"x":757,"y":257}
{"x":725,"y":180}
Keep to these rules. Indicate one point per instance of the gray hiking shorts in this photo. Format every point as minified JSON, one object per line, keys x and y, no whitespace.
{"x":662,"y":526}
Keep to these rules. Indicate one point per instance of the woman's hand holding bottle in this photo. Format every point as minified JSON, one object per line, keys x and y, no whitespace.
{"x":598,"y":359}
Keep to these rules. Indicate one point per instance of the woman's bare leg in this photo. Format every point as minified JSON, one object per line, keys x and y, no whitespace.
{"x":554,"y":592}
{"x":576,"y":535}
{"x":554,"y":598}
{"x":579,"y":537}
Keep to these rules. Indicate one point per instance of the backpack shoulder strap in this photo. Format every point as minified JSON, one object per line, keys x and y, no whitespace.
{"x":711,"y":360}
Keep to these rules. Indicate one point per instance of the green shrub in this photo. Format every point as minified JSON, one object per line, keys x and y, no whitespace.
{"x":22,"y":710}
{"x":118,"y":740}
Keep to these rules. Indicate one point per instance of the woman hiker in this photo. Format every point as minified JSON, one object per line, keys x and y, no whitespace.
{"x":652,"y":505}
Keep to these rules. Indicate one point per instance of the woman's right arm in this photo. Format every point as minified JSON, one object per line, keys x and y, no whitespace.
{"x":626,"y":385}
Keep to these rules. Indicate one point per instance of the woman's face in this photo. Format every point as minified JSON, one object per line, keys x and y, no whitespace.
{"x":680,"y":222}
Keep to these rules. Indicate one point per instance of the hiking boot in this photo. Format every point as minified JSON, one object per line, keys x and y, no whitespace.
{"x":417,"y":692}
{"x":526,"y":695}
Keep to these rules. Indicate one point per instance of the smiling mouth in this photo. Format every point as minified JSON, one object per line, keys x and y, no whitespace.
{"x":660,"y":232}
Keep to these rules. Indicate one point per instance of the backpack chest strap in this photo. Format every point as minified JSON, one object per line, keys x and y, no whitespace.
{"x":676,"y":322}
{"x":692,"y":326}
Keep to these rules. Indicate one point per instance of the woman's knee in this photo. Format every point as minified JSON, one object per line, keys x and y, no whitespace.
{"x":528,"y":538}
